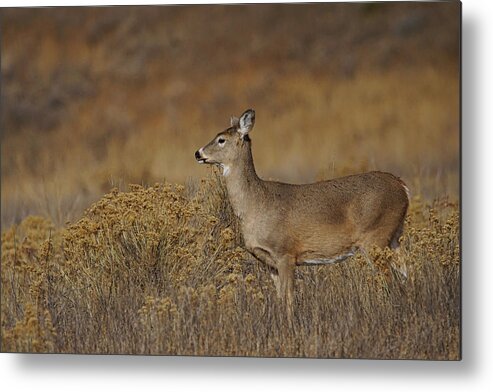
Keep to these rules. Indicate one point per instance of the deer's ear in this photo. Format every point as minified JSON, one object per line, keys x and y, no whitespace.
{"x":246,"y":122}
{"x":235,"y":122}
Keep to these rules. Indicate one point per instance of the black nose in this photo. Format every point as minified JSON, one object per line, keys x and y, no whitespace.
{"x":197,"y":155}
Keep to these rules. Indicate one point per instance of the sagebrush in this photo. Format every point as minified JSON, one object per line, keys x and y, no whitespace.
{"x":161,"y":270}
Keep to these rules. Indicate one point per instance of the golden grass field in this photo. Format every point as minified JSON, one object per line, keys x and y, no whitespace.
{"x":160,"y":270}
{"x":97,"y":99}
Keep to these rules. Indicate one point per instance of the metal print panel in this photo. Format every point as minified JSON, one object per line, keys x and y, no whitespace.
{"x":274,"y":180}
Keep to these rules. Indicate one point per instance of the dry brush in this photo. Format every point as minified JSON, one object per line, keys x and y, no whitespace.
{"x":161,"y":270}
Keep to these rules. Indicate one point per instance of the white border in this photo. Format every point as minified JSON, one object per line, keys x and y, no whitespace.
{"x":87,"y":373}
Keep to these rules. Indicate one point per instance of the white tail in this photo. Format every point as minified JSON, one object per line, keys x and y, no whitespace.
{"x":286,"y":225}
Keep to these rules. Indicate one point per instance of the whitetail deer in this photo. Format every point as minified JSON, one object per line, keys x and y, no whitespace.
{"x":285,"y":225}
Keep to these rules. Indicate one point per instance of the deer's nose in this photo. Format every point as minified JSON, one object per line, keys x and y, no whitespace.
{"x":197,"y":155}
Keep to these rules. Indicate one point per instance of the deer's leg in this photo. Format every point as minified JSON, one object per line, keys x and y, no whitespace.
{"x":277,"y":283}
{"x":267,"y":259}
{"x":399,"y":265}
{"x":264,"y":256}
{"x":286,"y":282}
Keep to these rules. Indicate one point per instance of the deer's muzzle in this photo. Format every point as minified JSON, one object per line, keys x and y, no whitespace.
{"x":198,"y":157}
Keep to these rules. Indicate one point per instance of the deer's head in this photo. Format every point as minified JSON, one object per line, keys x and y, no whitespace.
{"x":226,"y":148}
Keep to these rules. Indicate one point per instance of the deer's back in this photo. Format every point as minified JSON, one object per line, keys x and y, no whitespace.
{"x":362,"y":192}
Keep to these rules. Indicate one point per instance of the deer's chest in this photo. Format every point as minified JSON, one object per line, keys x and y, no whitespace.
{"x":259,"y":232}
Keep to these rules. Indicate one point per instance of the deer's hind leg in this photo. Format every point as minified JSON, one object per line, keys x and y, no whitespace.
{"x":383,"y":240}
{"x":399,"y":263}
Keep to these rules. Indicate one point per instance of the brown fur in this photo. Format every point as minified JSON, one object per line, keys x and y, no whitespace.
{"x":285,"y":225}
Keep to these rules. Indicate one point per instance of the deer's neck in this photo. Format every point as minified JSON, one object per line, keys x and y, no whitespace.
{"x":243,"y":185}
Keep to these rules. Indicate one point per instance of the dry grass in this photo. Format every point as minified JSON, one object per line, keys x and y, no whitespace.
{"x":161,"y":270}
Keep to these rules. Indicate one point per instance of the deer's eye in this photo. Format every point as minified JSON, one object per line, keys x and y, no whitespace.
{"x":221,"y":141}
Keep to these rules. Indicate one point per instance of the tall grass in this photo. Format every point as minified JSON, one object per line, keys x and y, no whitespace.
{"x":161,"y":270}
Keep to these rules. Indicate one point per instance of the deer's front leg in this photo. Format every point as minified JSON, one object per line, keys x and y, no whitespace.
{"x":283,"y":280}
{"x":265,"y":257}
{"x":286,"y":283}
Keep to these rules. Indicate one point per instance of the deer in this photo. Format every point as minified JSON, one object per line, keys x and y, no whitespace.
{"x":288,"y":225}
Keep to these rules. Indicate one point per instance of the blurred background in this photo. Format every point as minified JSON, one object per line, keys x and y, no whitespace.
{"x":94,"y":98}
